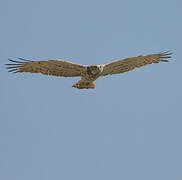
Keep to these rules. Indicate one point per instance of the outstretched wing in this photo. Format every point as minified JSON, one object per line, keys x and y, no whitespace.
{"x":49,"y":67}
{"x":124,"y":65}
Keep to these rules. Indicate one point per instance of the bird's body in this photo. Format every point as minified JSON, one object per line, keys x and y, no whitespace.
{"x":88,"y":73}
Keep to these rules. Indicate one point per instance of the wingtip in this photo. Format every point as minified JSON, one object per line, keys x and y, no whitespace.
{"x":11,"y":60}
{"x":22,"y":59}
{"x":165,"y":55}
{"x":15,"y":65}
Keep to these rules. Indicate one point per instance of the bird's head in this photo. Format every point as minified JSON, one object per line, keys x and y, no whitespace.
{"x":94,"y":69}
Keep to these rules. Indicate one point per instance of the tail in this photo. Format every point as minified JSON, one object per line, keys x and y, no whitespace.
{"x":84,"y":84}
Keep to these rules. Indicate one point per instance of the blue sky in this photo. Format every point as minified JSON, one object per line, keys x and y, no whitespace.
{"x":129,"y":127}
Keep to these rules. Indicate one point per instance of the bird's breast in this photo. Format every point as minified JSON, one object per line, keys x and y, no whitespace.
{"x":92,"y":72}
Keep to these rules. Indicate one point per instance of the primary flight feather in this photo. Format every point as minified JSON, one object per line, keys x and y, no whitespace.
{"x":88,"y":73}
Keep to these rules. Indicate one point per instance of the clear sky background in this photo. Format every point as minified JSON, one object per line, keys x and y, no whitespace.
{"x":129,"y":127}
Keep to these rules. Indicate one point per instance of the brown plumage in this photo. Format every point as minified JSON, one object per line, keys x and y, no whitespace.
{"x":88,"y":73}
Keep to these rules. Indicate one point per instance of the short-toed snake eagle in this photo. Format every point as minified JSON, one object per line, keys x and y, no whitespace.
{"x":88,"y":73}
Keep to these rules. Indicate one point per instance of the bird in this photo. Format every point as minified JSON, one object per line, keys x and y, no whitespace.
{"x":88,"y":73}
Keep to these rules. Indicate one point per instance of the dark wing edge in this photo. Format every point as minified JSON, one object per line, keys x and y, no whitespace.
{"x":163,"y":56}
{"x":127,"y":64}
{"x":16,"y":65}
{"x":46,"y":67}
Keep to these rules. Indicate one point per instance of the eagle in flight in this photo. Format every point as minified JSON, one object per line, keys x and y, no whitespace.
{"x":88,"y":73}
